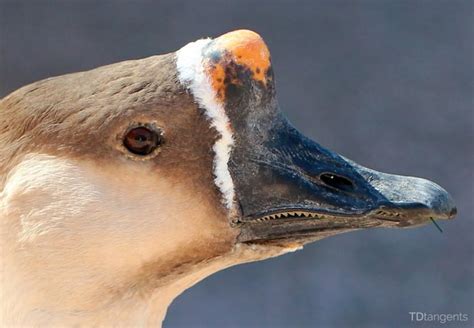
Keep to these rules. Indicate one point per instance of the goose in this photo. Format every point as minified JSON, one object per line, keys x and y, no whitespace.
{"x":124,"y":185}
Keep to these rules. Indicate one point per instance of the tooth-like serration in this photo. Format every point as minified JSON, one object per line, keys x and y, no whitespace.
{"x":292,"y":214}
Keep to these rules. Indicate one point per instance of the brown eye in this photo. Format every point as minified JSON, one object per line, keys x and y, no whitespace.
{"x":141,"y":140}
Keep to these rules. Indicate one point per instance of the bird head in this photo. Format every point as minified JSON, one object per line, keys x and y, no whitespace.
{"x":125,"y":176}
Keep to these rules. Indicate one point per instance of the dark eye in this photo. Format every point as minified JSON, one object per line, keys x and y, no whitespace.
{"x":337,"y":181}
{"x":142,"y":140}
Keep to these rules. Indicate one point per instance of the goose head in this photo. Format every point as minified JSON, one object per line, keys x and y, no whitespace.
{"x":124,"y":185}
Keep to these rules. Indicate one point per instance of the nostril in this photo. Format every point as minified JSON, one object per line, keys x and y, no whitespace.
{"x":337,"y":181}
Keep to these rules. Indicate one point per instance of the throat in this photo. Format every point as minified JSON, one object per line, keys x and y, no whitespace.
{"x":134,"y":306}
{"x":140,"y":305}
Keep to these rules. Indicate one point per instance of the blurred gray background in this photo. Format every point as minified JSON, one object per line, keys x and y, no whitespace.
{"x":388,"y":84}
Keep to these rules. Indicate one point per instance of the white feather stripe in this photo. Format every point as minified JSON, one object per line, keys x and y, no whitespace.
{"x":191,"y":73}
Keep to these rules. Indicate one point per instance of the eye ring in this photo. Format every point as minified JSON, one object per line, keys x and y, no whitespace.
{"x":142,"y":140}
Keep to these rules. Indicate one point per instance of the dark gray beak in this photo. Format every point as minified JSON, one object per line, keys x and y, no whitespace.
{"x":290,"y":187}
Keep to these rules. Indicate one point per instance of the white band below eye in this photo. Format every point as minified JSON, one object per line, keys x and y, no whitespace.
{"x":189,"y":63}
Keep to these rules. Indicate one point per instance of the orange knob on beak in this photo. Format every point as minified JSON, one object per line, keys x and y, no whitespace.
{"x":234,"y":57}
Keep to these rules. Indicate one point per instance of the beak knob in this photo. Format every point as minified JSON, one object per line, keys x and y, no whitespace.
{"x":235,"y":58}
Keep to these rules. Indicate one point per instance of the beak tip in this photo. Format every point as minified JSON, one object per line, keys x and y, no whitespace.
{"x":443,"y":204}
{"x":423,"y":199}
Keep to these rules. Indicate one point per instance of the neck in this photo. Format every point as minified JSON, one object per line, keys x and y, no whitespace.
{"x":141,"y":307}
{"x":132,"y":311}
